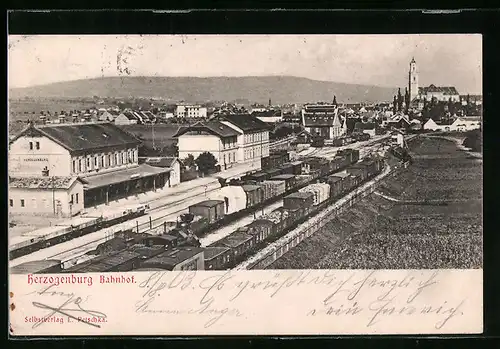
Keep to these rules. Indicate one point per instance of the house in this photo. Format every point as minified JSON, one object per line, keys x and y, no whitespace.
{"x":415,"y":125}
{"x":466,"y":124}
{"x":191,"y":111}
{"x":323,"y":120}
{"x":269,"y":116}
{"x":399,"y":121}
{"x":102,"y":154}
{"x":46,"y":196}
{"x":209,"y":136}
{"x":144,"y":117}
{"x":431,"y":125}
{"x":443,"y":94}
{"x":172,"y":163}
{"x":108,"y":115}
{"x":253,"y":138}
{"x":366,"y":127}
{"x":126,"y":118}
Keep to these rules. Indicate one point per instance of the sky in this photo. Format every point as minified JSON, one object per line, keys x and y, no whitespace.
{"x":381,"y":60}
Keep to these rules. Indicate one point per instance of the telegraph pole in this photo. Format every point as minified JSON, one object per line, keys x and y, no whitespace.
{"x":53,"y":195}
{"x":153,"y":133}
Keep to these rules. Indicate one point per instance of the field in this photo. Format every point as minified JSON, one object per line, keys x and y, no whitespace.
{"x":381,"y":234}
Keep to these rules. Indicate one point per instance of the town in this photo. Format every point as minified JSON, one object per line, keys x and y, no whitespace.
{"x":144,"y":184}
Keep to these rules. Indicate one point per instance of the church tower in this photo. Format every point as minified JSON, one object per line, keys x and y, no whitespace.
{"x":413,"y":80}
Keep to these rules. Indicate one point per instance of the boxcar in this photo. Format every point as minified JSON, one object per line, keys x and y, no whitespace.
{"x":213,"y":210}
{"x":263,"y":228}
{"x":216,"y":258}
{"x":239,"y":243}
{"x":38,"y":267}
{"x":298,"y":200}
{"x":360,"y":170}
{"x":273,"y":172}
{"x":289,"y":180}
{"x":335,"y":186}
{"x":254,"y":194}
{"x":274,"y":188}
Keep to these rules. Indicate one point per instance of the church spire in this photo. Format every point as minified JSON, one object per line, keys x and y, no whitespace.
{"x":413,"y":60}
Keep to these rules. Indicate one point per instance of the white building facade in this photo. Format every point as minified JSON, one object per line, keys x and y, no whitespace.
{"x":48,"y":196}
{"x":253,"y":138}
{"x":38,"y":152}
{"x":213,"y":137}
{"x":191,"y":111}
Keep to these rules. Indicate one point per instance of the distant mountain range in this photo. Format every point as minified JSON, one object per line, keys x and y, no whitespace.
{"x":281,"y":89}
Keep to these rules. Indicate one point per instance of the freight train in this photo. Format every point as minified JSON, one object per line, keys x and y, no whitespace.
{"x":297,"y":208}
{"x":145,"y":250}
{"x":47,"y":237}
{"x":258,"y":190}
{"x":291,"y":182}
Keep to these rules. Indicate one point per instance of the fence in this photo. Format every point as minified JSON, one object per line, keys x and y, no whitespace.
{"x":319,"y":222}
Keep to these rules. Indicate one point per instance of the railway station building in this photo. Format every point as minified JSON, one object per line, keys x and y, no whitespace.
{"x":101,"y":155}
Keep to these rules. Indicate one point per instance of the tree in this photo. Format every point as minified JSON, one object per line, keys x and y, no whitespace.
{"x":206,"y":161}
{"x":400,"y":100}
{"x":189,"y":161}
{"x":407,"y":100}
{"x":451,"y":106}
{"x":334,"y":100}
{"x":395,"y":105}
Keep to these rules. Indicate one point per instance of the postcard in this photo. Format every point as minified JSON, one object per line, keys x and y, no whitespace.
{"x":245,"y":185}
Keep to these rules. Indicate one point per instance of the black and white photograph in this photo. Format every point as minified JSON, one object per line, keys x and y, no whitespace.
{"x":166,"y":153}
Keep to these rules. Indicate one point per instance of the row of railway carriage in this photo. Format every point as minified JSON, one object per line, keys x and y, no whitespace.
{"x":306,"y":187}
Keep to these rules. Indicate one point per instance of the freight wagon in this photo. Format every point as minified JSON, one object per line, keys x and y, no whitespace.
{"x":298,"y":200}
{"x":254,"y":192}
{"x":56,"y":235}
{"x":275,"y":159}
{"x":49,"y":266}
{"x":289,"y":180}
{"x":212,"y":210}
{"x":116,"y":262}
{"x":298,"y":207}
{"x":239,"y":243}
{"x":217,"y":257}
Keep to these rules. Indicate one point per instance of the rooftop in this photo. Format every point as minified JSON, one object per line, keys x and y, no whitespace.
{"x":447,"y":90}
{"x":209,"y":203}
{"x":283,"y":177}
{"x":214,"y":127}
{"x":120,"y":176}
{"x":250,"y":187}
{"x":300,"y":195}
{"x":43,"y":182}
{"x":82,"y":137}
{"x":214,"y":251}
{"x":161,"y":161}
{"x":234,"y":240}
{"x":170,"y":258}
{"x":246,"y":122}
{"x":34,"y":266}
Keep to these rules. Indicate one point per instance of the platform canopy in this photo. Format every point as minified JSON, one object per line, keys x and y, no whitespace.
{"x":121,"y":176}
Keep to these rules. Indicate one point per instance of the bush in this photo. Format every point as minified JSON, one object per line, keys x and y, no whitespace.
{"x":206,"y":162}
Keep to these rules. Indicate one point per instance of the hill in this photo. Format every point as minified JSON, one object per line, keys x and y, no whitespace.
{"x":281,"y":89}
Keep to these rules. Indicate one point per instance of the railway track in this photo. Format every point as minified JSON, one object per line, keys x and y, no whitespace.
{"x":74,"y":249}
